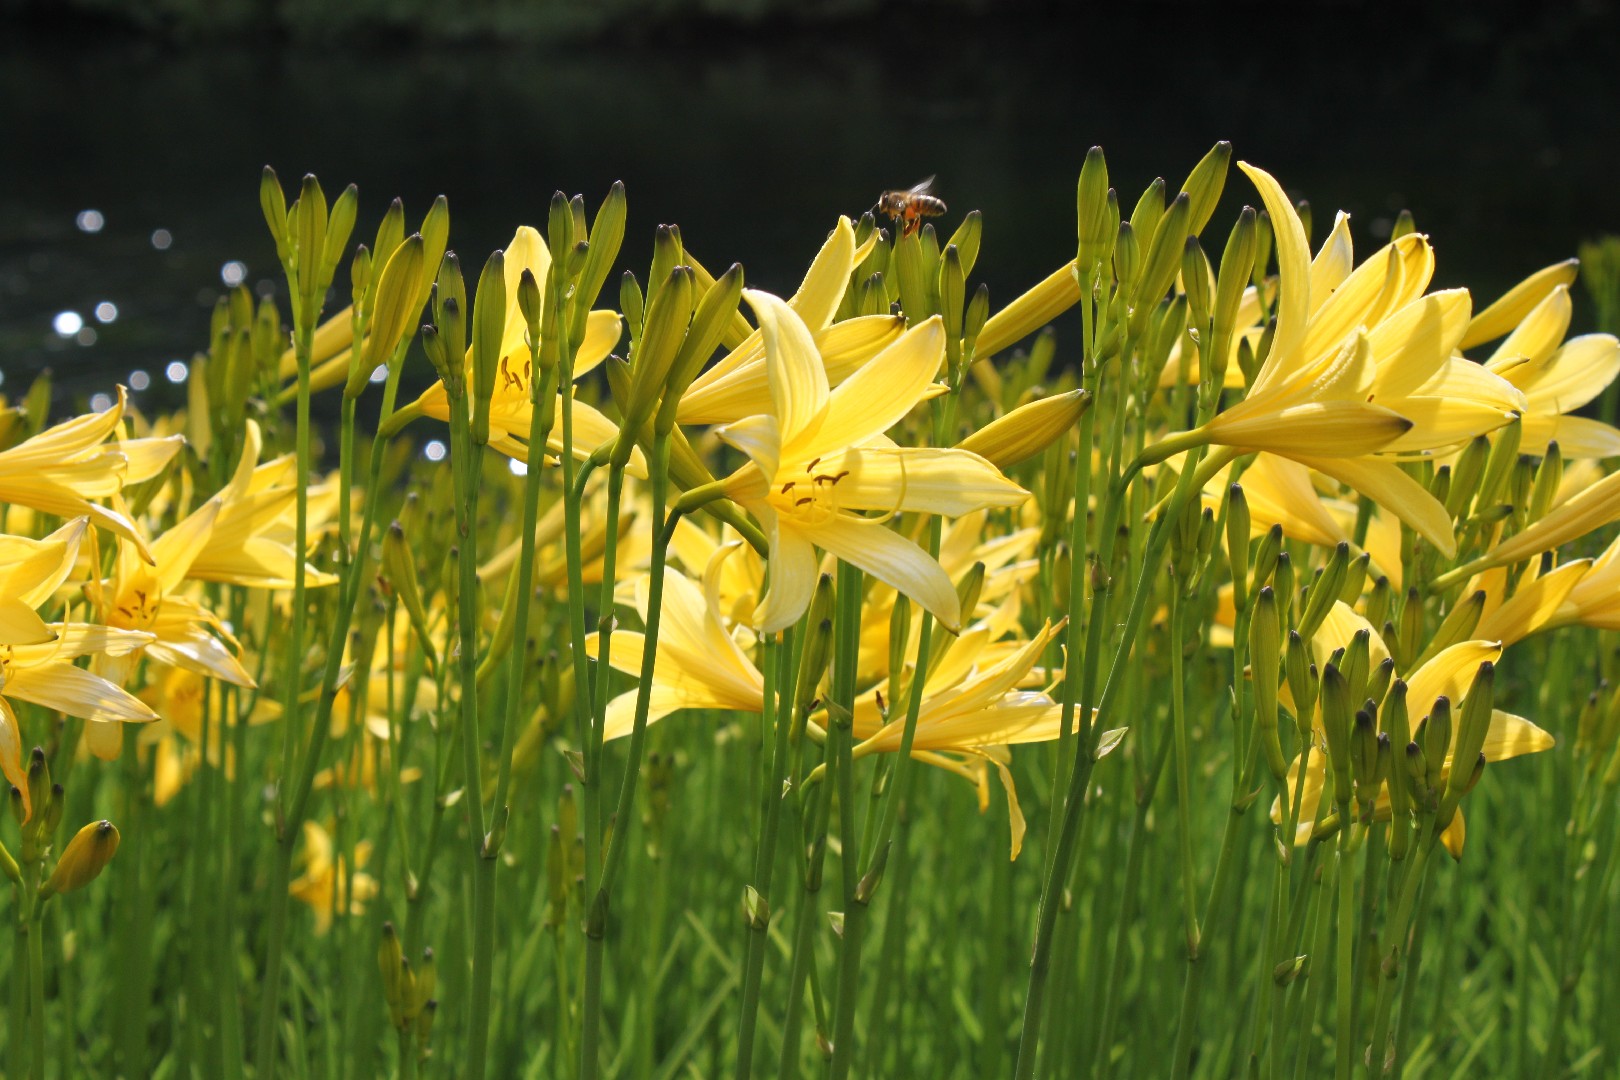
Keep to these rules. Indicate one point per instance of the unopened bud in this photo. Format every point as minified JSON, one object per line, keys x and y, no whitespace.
{"x":1027,"y":430}
{"x":90,"y":850}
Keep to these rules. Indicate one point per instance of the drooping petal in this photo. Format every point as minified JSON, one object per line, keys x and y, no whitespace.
{"x":1389,"y":487}
{"x":76,"y":692}
{"x":892,"y":559}
{"x":793,"y":568}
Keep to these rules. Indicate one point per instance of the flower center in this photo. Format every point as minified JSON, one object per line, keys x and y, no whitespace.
{"x":810,"y":498}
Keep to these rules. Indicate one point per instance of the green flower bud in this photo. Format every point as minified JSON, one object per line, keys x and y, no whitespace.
{"x":1205,"y":183}
{"x":1127,"y":256}
{"x":1195,"y":280}
{"x":1092,"y":210}
{"x":1303,"y":682}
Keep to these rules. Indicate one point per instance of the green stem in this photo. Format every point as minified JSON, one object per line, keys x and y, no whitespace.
{"x":1085,"y":750}
{"x":840,"y":737}
{"x":1389,"y":964}
{"x":1214,"y":912}
{"x":780,"y":678}
{"x":36,"y":991}
{"x":1344,"y":966}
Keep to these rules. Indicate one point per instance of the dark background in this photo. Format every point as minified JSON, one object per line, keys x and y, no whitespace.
{"x":752,"y":130}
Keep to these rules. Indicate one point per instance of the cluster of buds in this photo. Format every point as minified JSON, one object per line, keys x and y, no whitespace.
{"x":408,"y":990}
{"x":38,"y":812}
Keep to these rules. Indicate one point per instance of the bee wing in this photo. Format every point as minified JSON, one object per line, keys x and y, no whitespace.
{"x":925,"y":187}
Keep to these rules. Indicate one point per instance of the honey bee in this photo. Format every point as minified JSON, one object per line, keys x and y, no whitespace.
{"x":911,"y":205}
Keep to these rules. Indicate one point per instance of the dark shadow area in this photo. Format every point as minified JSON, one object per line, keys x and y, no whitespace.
{"x":1500,"y":136}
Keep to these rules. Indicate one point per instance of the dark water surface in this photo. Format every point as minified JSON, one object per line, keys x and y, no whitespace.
{"x":1504,"y":140}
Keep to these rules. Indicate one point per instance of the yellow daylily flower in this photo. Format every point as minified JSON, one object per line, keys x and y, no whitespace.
{"x":819,"y":460}
{"x":325,"y":880}
{"x":252,"y":541}
{"x":1557,"y":377}
{"x":62,"y":468}
{"x":1361,"y":362}
{"x":36,"y":658}
{"x":510,"y":410}
{"x":699,"y":665}
{"x":977,"y":702}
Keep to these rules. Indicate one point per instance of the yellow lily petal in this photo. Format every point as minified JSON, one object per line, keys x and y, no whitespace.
{"x":76,"y":692}
{"x":1389,"y":487}
{"x":1512,"y":306}
{"x":1538,"y":335}
{"x":798,"y":381}
{"x":892,"y":559}
{"x":1293,"y":262}
{"x":1448,"y":673}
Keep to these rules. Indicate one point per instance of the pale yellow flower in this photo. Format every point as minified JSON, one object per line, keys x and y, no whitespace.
{"x":820,"y":463}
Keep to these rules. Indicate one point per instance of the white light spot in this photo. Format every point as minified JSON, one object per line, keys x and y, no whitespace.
{"x":67,"y":323}
{"x":90,"y":221}
{"x":100,"y":402}
{"x":86,"y":335}
{"x":233,"y":273}
{"x":177,"y":371}
{"x":2,"y":378}
{"x":379,"y":373}
{"x":139,"y":380}
{"x":106,"y":311}
{"x":162,"y":239}
{"x":518,"y":468}
{"x":434,"y":451}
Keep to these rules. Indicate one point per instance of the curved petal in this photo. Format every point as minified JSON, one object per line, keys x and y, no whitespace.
{"x":1385,"y":484}
{"x":1293,"y":270}
{"x":893,"y":560}
{"x":1539,"y":333}
{"x":824,"y":283}
{"x":793,"y":567}
{"x":1580,"y":370}
{"x":1448,"y":673}
{"x":1412,"y":344}
{"x":76,"y":692}
{"x":880,"y":394}
{"x":797,"y":379}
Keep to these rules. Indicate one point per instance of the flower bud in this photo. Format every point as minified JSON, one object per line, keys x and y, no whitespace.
{"x":90,"y":850}
{"x":816,"y":648}
{"x":1465,"y":476}
{"x":1493,"y":485}
{"x":394,"y":312}
{"x":1265,"y":557}
{"x":1163,"y":260}
{"x":1027,"y":430}
{"x":1127,"y":256}
{"x":1204,"y":185}
{"x":1336,"y":721}
{"x":710,"y":318}
{"x":1436,"y":731}
{"x":1303,"y":683}
{"x":1265,"y":640}
{"x":1324,"y":590}
{"x":273,"y":201}
{"x":1092,"y":212}
{"x":1472,"y":728}
{"x":1195,"y":281}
